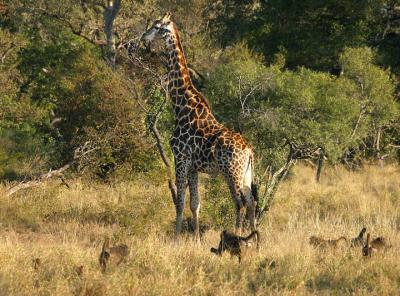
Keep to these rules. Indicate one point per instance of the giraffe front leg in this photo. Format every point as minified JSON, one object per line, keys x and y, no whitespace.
{"x":181,"y":176}
{"x":193,"y":180}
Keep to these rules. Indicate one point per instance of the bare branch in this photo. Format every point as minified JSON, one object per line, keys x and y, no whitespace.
{"x":153,"y":124}
{"x":164,"y":157}
{"x":271,"y":186}
{"x":74,"y":30}
{"x":79,"y":152}
{"x":7,"y":51}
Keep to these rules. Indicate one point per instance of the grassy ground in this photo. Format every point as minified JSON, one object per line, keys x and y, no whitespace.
{"x":65,"y":228}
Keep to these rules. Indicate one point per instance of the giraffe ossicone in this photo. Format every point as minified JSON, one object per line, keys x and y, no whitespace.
{"x":200,"y":143}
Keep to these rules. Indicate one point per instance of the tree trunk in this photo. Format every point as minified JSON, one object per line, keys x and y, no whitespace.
{"x":110,"y":13}
{"x":320,"y":163}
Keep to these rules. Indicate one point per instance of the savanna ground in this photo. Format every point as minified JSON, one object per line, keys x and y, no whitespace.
{"x":65,"y":228}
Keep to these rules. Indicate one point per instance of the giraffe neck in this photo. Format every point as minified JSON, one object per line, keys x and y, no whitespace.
{"x":180,"y":86}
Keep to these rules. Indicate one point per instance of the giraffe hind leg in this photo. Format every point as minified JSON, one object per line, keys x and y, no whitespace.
{"x":234,"y":188}
{"x":250,"y":203}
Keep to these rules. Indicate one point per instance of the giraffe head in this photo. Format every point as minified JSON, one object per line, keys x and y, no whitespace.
{"x":160,"y":28}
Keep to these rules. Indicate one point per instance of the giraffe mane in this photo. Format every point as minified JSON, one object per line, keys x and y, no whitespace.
{"x":186,"y":70}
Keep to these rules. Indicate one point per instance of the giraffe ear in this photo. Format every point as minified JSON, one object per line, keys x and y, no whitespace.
{"x":167,"y":17}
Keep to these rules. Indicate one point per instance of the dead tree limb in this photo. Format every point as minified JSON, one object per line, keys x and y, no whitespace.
{"x":295,"y":153}
{"x":154,"y":120}
{"x":161,"y":151}
{"x":79,"y":153}
{"x":6,"y":52}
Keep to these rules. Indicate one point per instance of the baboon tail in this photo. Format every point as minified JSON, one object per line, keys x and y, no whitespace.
{"x":106,"y":245}
{"x":342,"y":238}
{"x":251,"y":235}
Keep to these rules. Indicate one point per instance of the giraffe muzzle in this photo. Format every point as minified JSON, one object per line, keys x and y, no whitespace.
{"x":149,"y":35}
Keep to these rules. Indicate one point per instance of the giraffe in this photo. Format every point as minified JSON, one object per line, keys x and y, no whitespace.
{"x":200,"y":143}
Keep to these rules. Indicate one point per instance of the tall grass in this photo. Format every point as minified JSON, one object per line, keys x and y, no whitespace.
{"x":66,"y":227}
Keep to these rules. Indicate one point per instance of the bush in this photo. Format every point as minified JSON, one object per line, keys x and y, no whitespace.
{"x":269,"y":104}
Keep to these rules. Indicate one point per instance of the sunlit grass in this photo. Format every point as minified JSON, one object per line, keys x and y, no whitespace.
{"x":65,"y":228}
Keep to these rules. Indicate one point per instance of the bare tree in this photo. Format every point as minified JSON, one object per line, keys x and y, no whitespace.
{"x":270,"y":181}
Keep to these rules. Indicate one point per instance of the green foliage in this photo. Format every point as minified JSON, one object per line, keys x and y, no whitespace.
{"x":71,"y":97}
{"x":57,"y":92}
{"x":218,"y":209}
{"x":375,"y":86}
{"x":314,"y":108}
{"x":312,"y":32}
{"x":378,"y":108}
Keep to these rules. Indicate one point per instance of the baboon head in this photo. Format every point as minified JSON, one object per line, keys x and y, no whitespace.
{"x":362,"y":232}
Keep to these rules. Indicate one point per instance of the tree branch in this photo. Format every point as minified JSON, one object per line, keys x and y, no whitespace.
{"x":153,"y":124}
{"x":78,"y":154}
{"x":271,"y":186}
{"x":161,"y":151}
{"x":6,"y":52}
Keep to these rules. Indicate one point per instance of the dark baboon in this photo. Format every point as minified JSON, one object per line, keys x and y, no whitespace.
{"x":232,"y":243}
{"x":359,"y":240}
{"x":36,"y":263}
{"x":112,"y":255}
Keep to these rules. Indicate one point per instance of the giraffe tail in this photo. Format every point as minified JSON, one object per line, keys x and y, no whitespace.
{"x":250,"y":171}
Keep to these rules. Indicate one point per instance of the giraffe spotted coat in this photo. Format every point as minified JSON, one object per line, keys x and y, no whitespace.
{"x":200,"y":143}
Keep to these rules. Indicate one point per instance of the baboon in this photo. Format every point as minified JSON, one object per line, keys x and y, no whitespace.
{"x":36,"y":263}
{"x":318,"y":242}
{"x":232,"y":243}
{"x":114,"y":255}
{"x":79,"y":270}
{"x":375,"y":245}
{"x":359,"y":240}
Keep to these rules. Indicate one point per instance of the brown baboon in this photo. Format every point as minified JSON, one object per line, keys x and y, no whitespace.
{"x":232,"y":243}
{"x":112,"y":255}
{"x":326,"y":243}
{"x":359,"y":240}
{"x":375,"y":245}
{"x":36,"y":263}
{"x":79,"y":270}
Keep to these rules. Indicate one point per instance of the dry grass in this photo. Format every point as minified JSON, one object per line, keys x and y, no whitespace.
{"x":65,"y":228}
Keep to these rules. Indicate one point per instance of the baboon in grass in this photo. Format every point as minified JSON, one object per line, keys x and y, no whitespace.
{"x":318,"y":242}
{"x":36,"y":263}
{"x":359,"y":240}
{"x":112,"y":255}
{"x":233,"y":243}
{"x":377,"y":244}
{"x":80,"y":270}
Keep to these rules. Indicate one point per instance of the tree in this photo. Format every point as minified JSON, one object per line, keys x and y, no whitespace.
{"x":313,"y":111}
